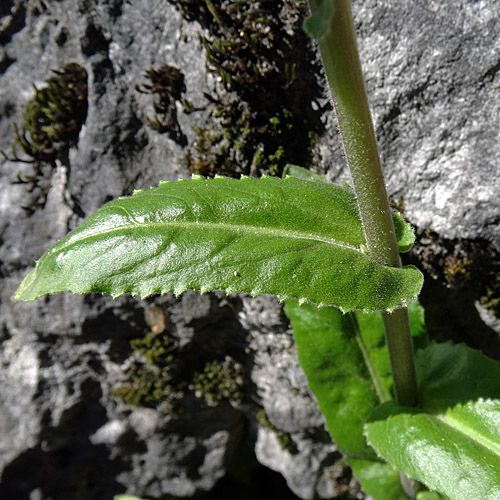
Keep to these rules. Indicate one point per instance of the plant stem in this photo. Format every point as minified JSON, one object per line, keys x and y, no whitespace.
{"x":343,"y":70}
{"x":400,"y":346}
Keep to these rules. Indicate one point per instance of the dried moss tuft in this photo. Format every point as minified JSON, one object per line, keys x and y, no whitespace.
{"x":52,"y":122}
{"x":166,"y":85}
{"x":54,"y":116}
{"x":266,"y":111}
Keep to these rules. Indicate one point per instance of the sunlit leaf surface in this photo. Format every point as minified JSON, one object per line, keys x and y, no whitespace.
{"x":288,"y":237}
{"x":452,"y":443}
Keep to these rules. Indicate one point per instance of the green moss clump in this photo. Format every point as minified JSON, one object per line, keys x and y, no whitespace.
{"x":220,"y":381}
{"x":163,"y":373}
{"x":148,"y":387}
{"x":158,"y":350}
{"x":242,"y":42}
{"x":152,"y":381}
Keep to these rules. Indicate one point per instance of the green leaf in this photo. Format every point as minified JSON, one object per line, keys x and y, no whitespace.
{"x":334,"y":359}
{"x":317,"y":24}
{"x":126,"y":497}
{"x":288,"y":237}
{"x":378,"y":479}
{"x":452,"y":443}
{"x":302,"y":173}
{"x":404,"y":233}
{"x":429,"y":495}
{"x":383,"y":482}
{"x":347,"y":366}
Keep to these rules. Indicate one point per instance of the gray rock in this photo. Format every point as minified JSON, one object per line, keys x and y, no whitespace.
{"x":304,"y":467}
{"x":284,"y":442}
{"x":180,"y":464}
{"x":282,"y":385}
{"x":430,"y":71}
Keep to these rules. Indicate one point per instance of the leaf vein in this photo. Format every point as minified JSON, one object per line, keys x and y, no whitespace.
{"x":234,"y":228}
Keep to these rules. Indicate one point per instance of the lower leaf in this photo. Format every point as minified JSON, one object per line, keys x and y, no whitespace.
{"x":379,"y":479}
{"x":452,"y":444}
{"x":430,"y":495}
{"x":127,"y":497}
{"x":347,"y":367}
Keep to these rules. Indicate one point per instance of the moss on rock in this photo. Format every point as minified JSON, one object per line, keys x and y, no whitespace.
{"x":261,"y":117}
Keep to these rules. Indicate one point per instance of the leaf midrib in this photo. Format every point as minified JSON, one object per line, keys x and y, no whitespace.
{"x":377,"y":386}
{"x":242,"y":228}
{"x":467,"y":431}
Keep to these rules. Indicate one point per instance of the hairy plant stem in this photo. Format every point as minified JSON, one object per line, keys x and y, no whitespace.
{"x":343,"y":70}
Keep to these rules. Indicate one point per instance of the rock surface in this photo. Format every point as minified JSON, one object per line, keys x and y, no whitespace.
{"x":430,"y":72}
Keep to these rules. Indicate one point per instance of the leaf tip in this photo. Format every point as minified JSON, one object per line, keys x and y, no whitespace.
{"x":25,"y":291}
